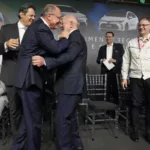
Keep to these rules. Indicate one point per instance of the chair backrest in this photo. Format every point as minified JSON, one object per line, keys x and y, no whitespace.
{"x":96,"y":85}
{"x":123,"y":94}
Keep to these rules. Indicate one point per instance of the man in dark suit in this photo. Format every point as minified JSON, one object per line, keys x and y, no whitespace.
{"x":38,"y":40}
{"x":113,"y":52}
{"x":69,"y":84}
{"x":10,"y":38}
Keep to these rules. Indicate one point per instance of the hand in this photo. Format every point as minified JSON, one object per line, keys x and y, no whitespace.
{"x":102,"y":60}
{"x":124,"y":84}
{"x":111,"y":60}
{"x":38,"y":61}
{"x":64,"y":34}
{"x":12,"y":43}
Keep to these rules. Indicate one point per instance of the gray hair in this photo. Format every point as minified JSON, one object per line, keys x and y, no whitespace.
{"x":73,"y":19}
{"x":49,"y":9}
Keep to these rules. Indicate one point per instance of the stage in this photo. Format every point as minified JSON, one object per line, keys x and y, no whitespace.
{"x":104,"y":140}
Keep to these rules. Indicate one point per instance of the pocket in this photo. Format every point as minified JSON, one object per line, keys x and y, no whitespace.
{"x":134,"y":52}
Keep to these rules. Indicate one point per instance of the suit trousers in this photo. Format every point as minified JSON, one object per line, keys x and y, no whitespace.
{"x":67,"y":132}
{"x":112,"y":88}
{"x":15,"y":108}
{"x":140,"y":94}
{"x":30,"y":127}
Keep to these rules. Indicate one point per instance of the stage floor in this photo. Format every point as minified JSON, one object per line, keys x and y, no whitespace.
{"x":104,"y":140}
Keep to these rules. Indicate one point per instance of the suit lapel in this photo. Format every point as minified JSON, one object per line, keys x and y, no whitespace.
{"x":15,"y":31}
{"x":114,"y":47}
{"x":105,"y":52}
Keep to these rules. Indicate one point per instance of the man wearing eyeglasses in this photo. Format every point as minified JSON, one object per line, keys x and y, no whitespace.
{"x":111,"y":52}
{"x":136,"y":65}
{"x":38,"y":40}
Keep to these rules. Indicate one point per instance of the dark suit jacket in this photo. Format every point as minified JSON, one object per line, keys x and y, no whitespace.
{"x":10,"y":58}
{"x":38,"y":40}
{"x":117,"y":54}
{"x":72,"y":65}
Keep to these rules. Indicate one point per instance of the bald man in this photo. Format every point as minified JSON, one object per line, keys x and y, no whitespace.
{"x":71,"y":66}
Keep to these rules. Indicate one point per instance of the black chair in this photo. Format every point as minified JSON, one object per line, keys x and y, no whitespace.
{"x":98,"y":108}
{"x":124,"y":102}
{"x":4,"y":125}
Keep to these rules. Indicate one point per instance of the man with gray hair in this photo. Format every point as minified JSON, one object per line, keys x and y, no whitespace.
{"x":38,"y":40}
{"x":71,"y":66}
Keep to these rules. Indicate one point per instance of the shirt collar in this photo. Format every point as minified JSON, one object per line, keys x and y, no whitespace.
{"x":145,"y":38}
{"x":72,"y":31}
{"x":45,"y":21}
{"x":110,"y":45}
{"x":21,"y":26}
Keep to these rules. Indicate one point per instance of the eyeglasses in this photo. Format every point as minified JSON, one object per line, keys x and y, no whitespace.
{"x":143,"y":25}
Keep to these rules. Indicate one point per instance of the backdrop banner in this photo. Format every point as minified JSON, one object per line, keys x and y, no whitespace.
{"x":95,"y":20}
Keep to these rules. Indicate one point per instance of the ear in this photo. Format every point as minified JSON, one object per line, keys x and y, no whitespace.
{"x":71,"y":24}
{"x":21,"y":14}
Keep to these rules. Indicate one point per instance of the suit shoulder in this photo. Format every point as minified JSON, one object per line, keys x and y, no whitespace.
{"x":8,"y":26}
{"x":102,"y":47}
{"x":134,"y":40}
{"x":41,"y":25}
{"x":76,"y":36}
{"x":76,"y":33}
{"x":118,"y":44}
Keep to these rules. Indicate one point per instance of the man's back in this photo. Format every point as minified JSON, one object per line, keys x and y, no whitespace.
{"x":71,"y":76}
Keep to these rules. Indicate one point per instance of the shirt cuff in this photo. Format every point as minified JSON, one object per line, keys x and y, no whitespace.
{"x":44,"y":63}
{"x":6,"y":48}
{"x":124,"y":77}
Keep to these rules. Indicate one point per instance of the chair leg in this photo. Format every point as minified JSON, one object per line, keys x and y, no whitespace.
{"x":116,"y":122}
{"x":127,"y":121}
{"x":93,"y":125}
{"x":86,"y":117}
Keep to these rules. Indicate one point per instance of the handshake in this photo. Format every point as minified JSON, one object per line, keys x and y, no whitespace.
{"x":64,"y":34}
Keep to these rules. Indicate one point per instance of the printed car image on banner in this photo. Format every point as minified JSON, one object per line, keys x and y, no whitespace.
{"x":95,"y":20}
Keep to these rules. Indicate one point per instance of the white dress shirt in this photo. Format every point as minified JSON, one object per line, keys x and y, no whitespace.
{"x":135,"y":64}
{"x":109,"y":52}
{"x":1,"y":58}
{"x":21,"y":29}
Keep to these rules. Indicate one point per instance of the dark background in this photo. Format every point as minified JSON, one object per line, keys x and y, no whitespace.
{"x":94,"y":11}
